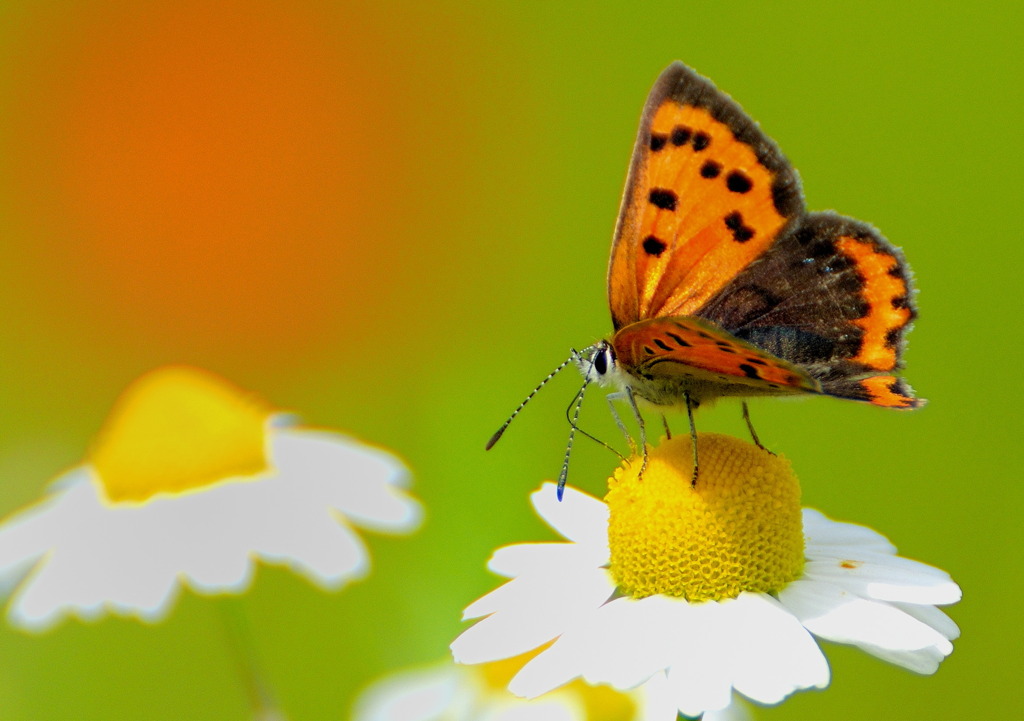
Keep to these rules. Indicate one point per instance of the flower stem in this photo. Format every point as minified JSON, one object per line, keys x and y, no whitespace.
{"x":239,"y":639}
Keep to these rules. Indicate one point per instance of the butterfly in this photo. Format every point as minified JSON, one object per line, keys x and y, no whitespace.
{"x":720,"y":282}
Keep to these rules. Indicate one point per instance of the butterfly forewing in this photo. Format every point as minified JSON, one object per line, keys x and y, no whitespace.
{"x":707,"y":193}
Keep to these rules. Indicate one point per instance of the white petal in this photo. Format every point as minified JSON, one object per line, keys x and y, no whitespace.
{"x":700,"y":676}
{"x":84,"y":571}
{"x":823,"y":533}
{"x":29,"y":534}
{"x":328,"y":553}
{"x":363,"y":482}
{"x":636,"y":640}
{"x":557,"y":665}
{"x":527,"y":613}
{"x":417,"y":695}
{"x":749,"y":643}
{"x":735,"y":711}
{"x":58,"y":589}
{"x":924,"y":661}
{"x":874,"y":626}
{"x":933,"y":617}
{"x":574,"y":588}
{"x":775,"y":654}
{"x":886,"y":578}
{"x":657,"y":703}
{"x":529,"y":559}
{"x":622,"y":643}
{"x":125,"y":558}
{"x":579,"y":516}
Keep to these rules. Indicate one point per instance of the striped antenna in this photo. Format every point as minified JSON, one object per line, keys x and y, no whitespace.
{"x":498,"y":433}
{"x":573,"y":425}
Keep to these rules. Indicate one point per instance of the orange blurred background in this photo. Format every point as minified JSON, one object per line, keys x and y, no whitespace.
{"x":204,"y":173}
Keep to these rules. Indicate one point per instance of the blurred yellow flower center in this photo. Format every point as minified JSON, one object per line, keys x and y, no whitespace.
{"x":178,"y":429}
{"x":599,"y":703}
{"x":738,"y":530}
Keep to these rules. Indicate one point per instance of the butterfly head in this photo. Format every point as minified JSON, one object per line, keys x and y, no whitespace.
{"x":597,"y":363}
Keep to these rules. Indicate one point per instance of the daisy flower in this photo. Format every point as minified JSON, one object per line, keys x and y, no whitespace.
{"x":189,"y":481}
{"x":449,"y":692}
{"x":706,"y":590}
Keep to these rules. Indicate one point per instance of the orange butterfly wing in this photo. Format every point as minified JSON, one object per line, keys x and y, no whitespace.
{"x":707,"y":193}
{"x":687,"y":347}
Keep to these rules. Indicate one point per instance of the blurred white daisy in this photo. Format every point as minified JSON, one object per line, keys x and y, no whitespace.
{"x":705,"y":590}
{"x":449,"y":692}
{"x":189,"y":482}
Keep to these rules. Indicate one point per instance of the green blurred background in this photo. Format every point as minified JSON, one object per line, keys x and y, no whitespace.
{"x":394,"y":218}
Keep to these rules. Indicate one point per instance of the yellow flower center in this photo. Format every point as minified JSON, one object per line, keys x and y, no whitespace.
{"x":177,"y":429}
{"x":739,"y":529}
{"x":600,"y":703}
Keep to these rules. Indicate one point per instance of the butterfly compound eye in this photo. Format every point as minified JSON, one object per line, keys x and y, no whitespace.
{"x":603,"y":359}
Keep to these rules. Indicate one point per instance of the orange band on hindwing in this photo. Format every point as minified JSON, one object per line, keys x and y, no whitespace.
{"x":887,"y":296}
{"x":890,"y":392}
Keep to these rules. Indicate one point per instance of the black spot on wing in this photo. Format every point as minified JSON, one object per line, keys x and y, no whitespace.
{"x":658,"y":141}
{"x":740,"y":232}
{"x":682,"y":343}
{"x":680,"y":135}
{"x":749,"y":371}
{"x":737,"y":182}
{"x":710,"y":169}
{"x":653,"y":246}
{"x":663,"y":198}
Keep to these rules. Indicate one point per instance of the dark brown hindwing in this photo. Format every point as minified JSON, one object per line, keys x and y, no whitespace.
{"x":831,"y":295}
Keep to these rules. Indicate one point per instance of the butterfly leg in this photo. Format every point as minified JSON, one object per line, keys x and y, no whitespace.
{"x":612,"y":397}
{"x":750,"y":427}
{"x":628,"y":395}
{"x":668,"y":431}
{"x":690,"y":405}
{"x":643,"y":429}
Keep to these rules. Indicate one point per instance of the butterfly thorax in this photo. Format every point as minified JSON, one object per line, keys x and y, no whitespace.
{"x":663,"y":360}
